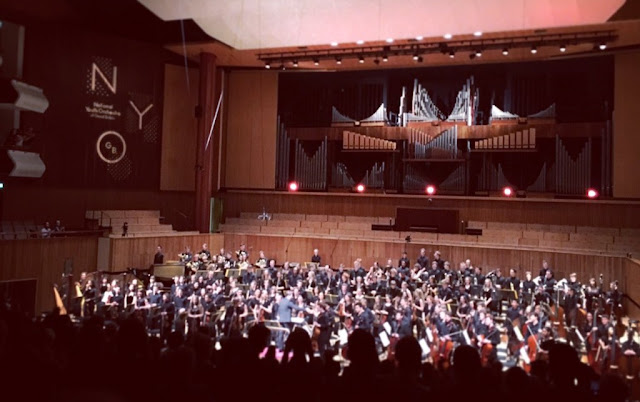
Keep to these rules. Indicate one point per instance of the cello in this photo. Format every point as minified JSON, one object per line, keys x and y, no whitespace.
{"x":592,"y":343}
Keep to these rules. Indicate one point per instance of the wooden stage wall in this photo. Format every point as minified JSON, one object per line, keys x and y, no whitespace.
{"x":334,"y":252}
{"x":44,"y":260}
{"x":488,"y":209}
{"x":138,"y":252}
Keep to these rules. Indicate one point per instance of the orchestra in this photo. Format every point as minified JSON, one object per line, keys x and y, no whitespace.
{"x":507,"y":319}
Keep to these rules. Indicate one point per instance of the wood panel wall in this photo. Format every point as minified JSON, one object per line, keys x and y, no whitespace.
{"x":494,"y":209}
{"x":138,"y":252}
{"x":179,"y":126}
{"x":334,"y":252}
{"x":40,"y":203}
{"x":626,"y":141}
{"x":44,"y":259}
{"x":251,"y":129}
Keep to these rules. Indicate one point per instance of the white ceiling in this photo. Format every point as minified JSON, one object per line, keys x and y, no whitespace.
{"x":261,"y":24}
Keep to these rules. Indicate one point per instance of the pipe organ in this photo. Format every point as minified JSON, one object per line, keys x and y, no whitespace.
{"x":311,"y":171}
{"x":573,"y":175}
{"x":351,"y":140}
{"x":283,"y":155}
{"x":525,"y":139}
{"x":442,"y":146}
{"x":466,"y":107}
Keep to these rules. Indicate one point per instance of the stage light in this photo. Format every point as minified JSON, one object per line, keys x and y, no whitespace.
{"x":477,"y":33}
{"x":478,"y":53}
{"x":361,"y":59}
{"x":431,"y":190}
{"x":448,"y":36}
{"x":452,"y":54}
{"x":267,"y":65}
{"x":507,"y":191}
{"x":1,"y":186}
{"x":602,"y":46}
{"x":592,"y":193}
{"x":359,"y":42}
{"x":534,"y":50}
{"x":389,"y":40}
{"x":419,"y":37}
{"x":385,"y":58}
{"x":563,"y":48}
{"x":338,"y":60}
{"x":505,"y":52}
{"x":415,"y":56}
{"x":316,"y":62}
{"x":295,"y":63}
{"x":293,"y":186}
{"x":360,"y":188}
{"x":334,"y":44}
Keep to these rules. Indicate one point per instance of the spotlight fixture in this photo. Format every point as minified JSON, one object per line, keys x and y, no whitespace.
{"x":267,"y":65}
{"x":477,"y":33}
{"x":360,"y":188}
{"x":293,"y":186}
{"x":534,"y":50}
{"x":505,"y":52}
{"x":419,"y":37}
{"x":415,"y":56}
{"x":507,"y":191}
{"x":563,"y":48}
{"x":338,"y":60}
{"x":295,"y":63}
{"x":420,"y":59}
{"x":361,"y":59}
{"x":452,"y":54}
{"x":447,"y":36}
{"x":478,"y":53}
{"x":592,"y":194}
{"x":385,"y":58}
{"x":389,"y":40}
{"x":316,"y":62}
{"x":359,"y":42}
{"x":334,"y":44}
{"x":602,"y":46}
{"x":431,"y":189}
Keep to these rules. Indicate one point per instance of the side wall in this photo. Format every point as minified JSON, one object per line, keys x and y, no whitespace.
{"x":251,"y":129}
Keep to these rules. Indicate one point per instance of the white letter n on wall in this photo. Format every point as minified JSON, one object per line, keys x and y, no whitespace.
{"x":111,"y":85}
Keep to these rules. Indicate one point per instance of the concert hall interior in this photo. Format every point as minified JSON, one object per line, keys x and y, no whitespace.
{"x":373,"y":199}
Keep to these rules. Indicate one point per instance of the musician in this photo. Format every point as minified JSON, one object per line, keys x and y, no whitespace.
{"x":629,"y":346}
{"x":242,"y":251}
{"x":541,"y":296}
{"x":477,"y":277}
{"x":614,"y":296}
{"x":528,"y":286}
{"x":158,"y":258}
{"x":401,"y":325}
{"x":513,"y":282}
{"x":545,"y":268}
{"x":592,"y":294}
{"x":284,"y":307}
{"x":364,"y":317}
{"x":262,"y":260}
{"x":489,"y":295}
{"x":393,"y":290}
{"x":574,"y":283}
{"x":445,"y":294}
{"x":316,"y":256}
{"x":90,"y":295}
{"x":186,"y":255}
{"x":549,"y":283}
{"x":155,"y":297}
{"x":603,"y":330}
{"x":324,"y":321}
{"x":423,"y":260}
{"x":405,"y":258}
{"x":436,"y":258}
{"x":221,"y":258}
{"x":167,"y":311}
{"x":571,"y":304}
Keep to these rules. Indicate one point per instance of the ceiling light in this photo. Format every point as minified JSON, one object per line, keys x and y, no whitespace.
{"x":334,"y":43}
{"x":419,"y":37}
{"x":448,"y":36}
{"x":477,"y":33}
{"x":359,"y":42}
{"x":452,"y":54}
{"x":385,"y":58}
{"x":415,"y":56}
{"x":563,"y":48}
{"x":338,"y":60}
{"x":534,"y":50}
{"x":295,"y":63}
{"x":478,"y":53}
{"x":361,"y":59}
{"x":389,"y":40}
{"x":316,"y":62}
{"x":602,"y":46}
{"x":267,"y":65}
{"x":505,"y":51}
